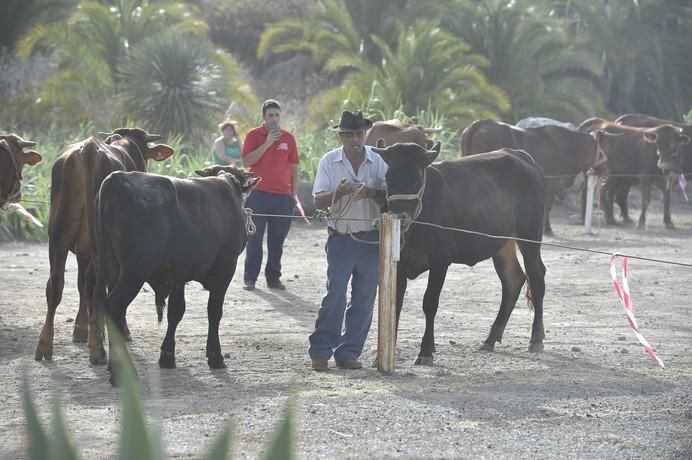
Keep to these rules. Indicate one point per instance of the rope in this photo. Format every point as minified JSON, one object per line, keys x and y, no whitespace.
{"x":250,"y":227}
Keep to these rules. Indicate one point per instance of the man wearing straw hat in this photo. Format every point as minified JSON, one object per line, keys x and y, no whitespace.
{"x":350,"y":183}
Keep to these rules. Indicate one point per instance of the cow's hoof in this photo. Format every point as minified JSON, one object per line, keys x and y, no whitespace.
{"x":611,"y":222}
{"x":127,"y":334}
{"x":167,"y":360}
{"x":216,"y":362}
{"x":98,"y":359}
{"x":424,"y":361}
{"x":670,"y":226}
{"x":548,"y":232}
{"x":627,"y":220}
{"x":641,"y":226}
{"x":43,"y":354}
{"x":536,"y":347}
{"x":375,"y":363}
{"x":489,"y":347}
{"x":113,"y":379}
{"x":80,"y":334}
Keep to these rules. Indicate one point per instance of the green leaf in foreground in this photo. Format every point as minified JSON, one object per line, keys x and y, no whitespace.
{"x":38,"y":441}
{"x":282,"y":446}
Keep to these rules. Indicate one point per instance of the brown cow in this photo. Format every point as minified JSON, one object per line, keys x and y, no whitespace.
{"x":638,"y":155}
{"x":561,"y":152}
{"x":393,"y":131}
{"x":13,"y":157}
{"x":639,"y":120}
{"x":76,"y":177}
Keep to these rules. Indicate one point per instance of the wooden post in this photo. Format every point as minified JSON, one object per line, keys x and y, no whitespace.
{"x":590,"y":189}
{"x":386,"y":313}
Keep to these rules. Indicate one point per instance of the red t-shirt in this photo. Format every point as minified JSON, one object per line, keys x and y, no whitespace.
{"x":275,"y":165}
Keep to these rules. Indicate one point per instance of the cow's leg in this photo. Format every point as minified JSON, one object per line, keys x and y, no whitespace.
{"x":645,"y":186}
{"x":621,"y":194}
{"x":431,"y":300}
{"x":535,"y":272}
{"x":176,"y":310}
{"x":667,"y":190}
{"x":214,"y":313}
{"x":119,"y":298}
{"x":57,"y":254}
{"x":97,"y":353}
{"x":81,"y":322}
{"x":549,"y":198}
{"x":606,"y":198}
{"x":512,"y":279}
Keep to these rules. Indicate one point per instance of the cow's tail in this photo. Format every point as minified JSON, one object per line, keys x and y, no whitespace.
{"x":103,"y":253}
{"x":467,"y":138}
{"x":160,"y":299}
{"x":529,"y":295}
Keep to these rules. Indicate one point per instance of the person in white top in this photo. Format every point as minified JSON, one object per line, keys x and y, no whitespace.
{"x":350,"y":182}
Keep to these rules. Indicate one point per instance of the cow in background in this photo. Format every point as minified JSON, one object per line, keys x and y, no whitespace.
{"x":167,"y":231}
{"x":561,"y":152}
{"x":13,"y":157}
{"x":393,"y":131}
{"x":496,"y":193}
{"x":639,"y":156}
{"x":639,"y":120}
{"x":76,"y":177}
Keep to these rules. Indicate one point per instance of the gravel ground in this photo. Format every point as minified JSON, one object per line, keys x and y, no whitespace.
{"x":593,"y":393}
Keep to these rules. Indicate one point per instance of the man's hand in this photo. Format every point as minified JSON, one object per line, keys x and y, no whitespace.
{"x":345,"y":188}
{"x":273,"y":137}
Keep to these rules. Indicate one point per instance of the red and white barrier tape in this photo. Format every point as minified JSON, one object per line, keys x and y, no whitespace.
{"x":623,"y":292}
{"x":683,"y":185}
{"x":299,"y":205}
{"x":26,"y":214}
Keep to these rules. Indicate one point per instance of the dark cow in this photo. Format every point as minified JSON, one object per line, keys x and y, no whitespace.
{"x":643,"y":156}
{"x":639,"y":120}
{"x":496,"y":193}
{"x":76,"y":177}
{"x":13,"y":157}
{"x":561,"y":152}
{"x":393,"y":131}
{"x":166,"y":231}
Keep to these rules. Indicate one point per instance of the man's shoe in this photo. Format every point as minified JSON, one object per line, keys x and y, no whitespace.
{"x":320,"y":364}
{"x":276,"y":284}
{"x":349,"y":364}
{"x":249,"y":286}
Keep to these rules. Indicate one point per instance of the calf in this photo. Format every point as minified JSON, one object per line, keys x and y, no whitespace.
{"x":497,"y":193}
{"x":76,"y":177}
{"x":13,"y":157}
{"x":166,"y":231}
{"x":644,"y":156}
{"x":562,"y":153}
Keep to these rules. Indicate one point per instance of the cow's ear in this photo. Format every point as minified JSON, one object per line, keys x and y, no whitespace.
{"x":649,"y":136}
{"x":250,"y":183}
{"x":383,"y":152}
{"x":31,"y":157}
{"x":160,"y":152}
{"x":206,"y":172}
{"x":684,"y":138}
{"x":431,"y":155}
{"x":380,"y":143}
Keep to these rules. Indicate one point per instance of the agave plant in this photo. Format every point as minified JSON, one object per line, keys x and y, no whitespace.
{"x":177,"y":83}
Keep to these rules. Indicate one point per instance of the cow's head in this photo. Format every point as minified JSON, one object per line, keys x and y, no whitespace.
{"x":405,"y":178}
{"x":668,"y":140}
{"x":245,"y":179}
{"x":13,"y":157}
{"x":141,"y":139}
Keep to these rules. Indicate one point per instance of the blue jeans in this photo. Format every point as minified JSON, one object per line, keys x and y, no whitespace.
{"x":346,"y":259}
{"x":277,"y":229}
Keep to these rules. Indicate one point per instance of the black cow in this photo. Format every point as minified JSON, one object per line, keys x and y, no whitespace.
{"x":637,"y":155}
{"x":562,"y":153}
{"x":497,"y":193}
{"x":13,"y":157}
{"x":166,"y":232}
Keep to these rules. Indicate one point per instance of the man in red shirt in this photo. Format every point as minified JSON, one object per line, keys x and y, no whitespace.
{"x":271,"y":153}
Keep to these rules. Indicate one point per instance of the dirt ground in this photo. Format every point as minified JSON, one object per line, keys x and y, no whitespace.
{"x":593,"y":393}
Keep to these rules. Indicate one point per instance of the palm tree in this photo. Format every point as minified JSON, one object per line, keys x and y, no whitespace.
{"x":90,"y":46}
{"x":18,"y":16}
{"x":426,"y":68}
{"x":177,"y":83}
{"x":644,"y":45}
{"x":532,"y":58}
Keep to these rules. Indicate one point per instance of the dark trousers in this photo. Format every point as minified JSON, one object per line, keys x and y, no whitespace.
{"x":277,"y":229}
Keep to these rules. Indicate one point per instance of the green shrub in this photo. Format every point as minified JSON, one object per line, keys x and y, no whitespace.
{"x":138,"y":439}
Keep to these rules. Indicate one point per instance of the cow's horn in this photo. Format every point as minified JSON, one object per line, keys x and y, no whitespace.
{"x":152,"y":137}
{"x":104,"y":134}
{"x":432,"y":130}
{"x":24,"y":143}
